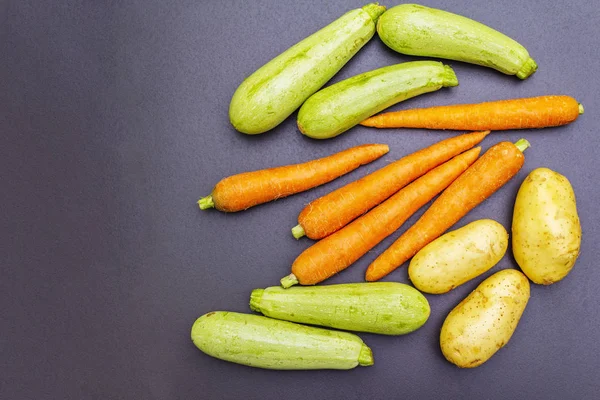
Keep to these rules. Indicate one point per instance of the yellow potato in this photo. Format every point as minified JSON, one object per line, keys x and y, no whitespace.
{"x":458,"y":256}
{"x":546,"y":229}
{"x":484,"y":322}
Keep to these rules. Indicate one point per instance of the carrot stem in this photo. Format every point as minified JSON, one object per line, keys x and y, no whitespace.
{"x":288,"y":281}
{"x":298,"y":231}
{"x":581,"y":109}
{"x":522,"y":144}
{"x":206,"y":202}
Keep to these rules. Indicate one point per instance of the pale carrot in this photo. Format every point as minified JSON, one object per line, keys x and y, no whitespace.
{"x":241,"y":191}
{"x":331,"y":212}
{"x":339,"y":250}
{"x":496,"y":167}
{"x":526,"y":113}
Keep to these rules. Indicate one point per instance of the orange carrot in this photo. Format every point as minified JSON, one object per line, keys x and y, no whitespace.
{"x":331,"y":212}
{"x":242,"y":191}
{"x":496,"y":167}
{"x":339,"y":250}
{"x":533,"y":112}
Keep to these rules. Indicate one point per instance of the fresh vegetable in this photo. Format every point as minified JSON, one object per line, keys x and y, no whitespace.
{"x":342,"y":248}
{"x":527,"y":113}
{"x":331,"y":212}
{"x":263,"y":342}
{"x":387,"y":308}
{"x":422,"y":31}
{"x":458,"y":256}
{"x":492,"y":170}
{"x":546,"y":230}
{"x":484,"y":322}
{"x":241,"y":191}
{"x":343,"y":105}
{"x":278,"y":88}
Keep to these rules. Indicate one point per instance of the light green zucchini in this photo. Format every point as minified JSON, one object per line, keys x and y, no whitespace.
{"x":343,"y":105}
{"x":422,"y":31}
{"x":263,"y":342}
{"x":278,"y":88}
{"x":387,"y":308}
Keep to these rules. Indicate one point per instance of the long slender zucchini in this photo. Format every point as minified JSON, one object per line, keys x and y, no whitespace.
{"x":422,"y":31}
{"x":343,"y":105}
{"x":263,"y":342}
{"x":278,"y":88}
{"x":387,"y":308}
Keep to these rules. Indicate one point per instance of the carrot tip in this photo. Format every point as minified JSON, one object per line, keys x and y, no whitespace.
{"x":370,"y":276}
{"x":298,"y":231}
{"x":288,"y":281}
{"x":522,"y":144}
{"x":206,"y":202}
{"x":580,"y":108}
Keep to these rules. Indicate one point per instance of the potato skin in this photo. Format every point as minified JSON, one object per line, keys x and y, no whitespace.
{"x":546,"y":229}
{"x":458,"y":256}
{"x":484,"y":321}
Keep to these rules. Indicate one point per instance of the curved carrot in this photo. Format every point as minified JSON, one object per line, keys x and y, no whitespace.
{"x":496,"y":167}
{"x":339,"y":250}
{"x":331,"y":212}
{"x":241,"y":191}
{"x":533,"y":112}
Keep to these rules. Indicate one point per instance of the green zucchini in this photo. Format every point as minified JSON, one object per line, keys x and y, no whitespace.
{"x":387,"y":308}
{"x":343,"y":105}
{"x":278,"y":88}
{"x":422,"y":31}
{"x":263,"y":342}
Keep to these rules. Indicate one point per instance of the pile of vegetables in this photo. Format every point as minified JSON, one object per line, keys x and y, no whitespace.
{"x":350,"y":221}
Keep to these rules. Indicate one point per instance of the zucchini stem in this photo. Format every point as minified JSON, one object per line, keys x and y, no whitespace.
{"x":255,"y":298}
{"x":365,"y":357}
{"x":374,"y":10}
{"x":527,"y":69}
{"x":449,"y":78}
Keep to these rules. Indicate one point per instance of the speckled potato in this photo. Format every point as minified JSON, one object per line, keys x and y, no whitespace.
{"x":546,"y":233}
{"x":458,"y":256}
{"x":484,"y":322}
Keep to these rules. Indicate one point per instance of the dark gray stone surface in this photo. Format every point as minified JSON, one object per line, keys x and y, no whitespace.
{"x":114,"y":118}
